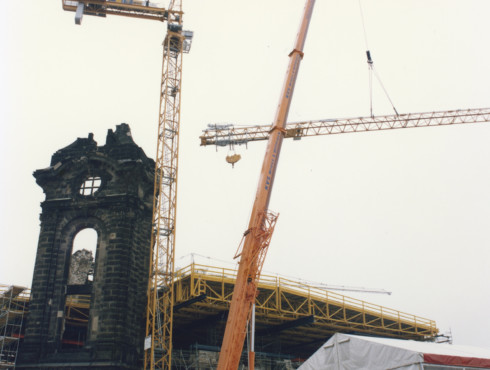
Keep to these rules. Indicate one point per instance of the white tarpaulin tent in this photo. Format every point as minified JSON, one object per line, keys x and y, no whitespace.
{"x":344,"y":351}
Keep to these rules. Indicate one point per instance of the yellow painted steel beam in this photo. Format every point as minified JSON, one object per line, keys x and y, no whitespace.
{"x":138,"y":9}
{"x":281,"y":300}
{"x":230,"y":135}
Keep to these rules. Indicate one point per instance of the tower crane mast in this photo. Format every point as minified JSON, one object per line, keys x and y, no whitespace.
{"x":158,"y":343}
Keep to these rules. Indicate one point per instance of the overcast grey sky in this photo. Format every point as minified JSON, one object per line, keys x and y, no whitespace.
{"x":407,"y":210}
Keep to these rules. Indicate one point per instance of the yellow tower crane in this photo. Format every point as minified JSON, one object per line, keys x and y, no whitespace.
{"x":158,"y":343}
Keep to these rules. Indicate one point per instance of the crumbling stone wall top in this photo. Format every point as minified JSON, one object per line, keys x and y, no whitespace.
{"x":119,"y":145}
{"x":85,"y":171}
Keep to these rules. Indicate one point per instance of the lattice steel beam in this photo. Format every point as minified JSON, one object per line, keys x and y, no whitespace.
{"x":229,"y":135}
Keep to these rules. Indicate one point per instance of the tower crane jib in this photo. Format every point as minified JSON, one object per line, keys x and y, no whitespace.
{"x":231,"y":135}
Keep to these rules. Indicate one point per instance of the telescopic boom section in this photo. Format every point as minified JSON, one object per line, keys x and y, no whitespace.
{"x":257,"y":237}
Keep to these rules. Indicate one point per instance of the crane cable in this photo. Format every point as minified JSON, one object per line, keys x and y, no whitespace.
{"x":372,"y":69}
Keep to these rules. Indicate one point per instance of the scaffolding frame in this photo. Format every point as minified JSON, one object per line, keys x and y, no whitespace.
{"x":13,"y":300}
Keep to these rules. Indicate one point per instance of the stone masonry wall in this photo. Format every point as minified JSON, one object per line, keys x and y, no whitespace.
{"x":119,"y":208}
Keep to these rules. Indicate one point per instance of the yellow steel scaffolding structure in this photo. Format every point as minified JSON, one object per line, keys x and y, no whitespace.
{"x":298,"y":315}
{"x":285,"y":305}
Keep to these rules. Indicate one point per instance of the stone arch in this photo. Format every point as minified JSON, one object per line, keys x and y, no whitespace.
{"x":80,"y":296}
{"x":69,"y":233}
{"x":83,"y":257}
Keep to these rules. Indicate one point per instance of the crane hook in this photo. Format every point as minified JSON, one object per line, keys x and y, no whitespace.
{"x":233,"y":158}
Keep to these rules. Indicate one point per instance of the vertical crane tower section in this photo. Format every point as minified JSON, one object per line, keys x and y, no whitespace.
{"x":160,"y":284}
{"x":158,"y":343}
{"x":257,"y":237}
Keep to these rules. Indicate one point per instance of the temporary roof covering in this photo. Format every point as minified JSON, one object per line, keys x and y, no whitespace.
{"x":344,"y":351}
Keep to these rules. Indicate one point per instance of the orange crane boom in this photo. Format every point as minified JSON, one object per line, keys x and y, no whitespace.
{"x":261,"y":225}
{"x":230,"y":135}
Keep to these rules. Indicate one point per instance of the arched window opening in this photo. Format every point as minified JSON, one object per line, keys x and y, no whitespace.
{"x":82,"y":261}
{"x":79,"y":289}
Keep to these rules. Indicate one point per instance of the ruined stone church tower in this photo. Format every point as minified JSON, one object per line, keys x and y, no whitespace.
{"x":108,"y":189}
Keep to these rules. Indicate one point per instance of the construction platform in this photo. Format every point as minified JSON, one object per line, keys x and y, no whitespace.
{"x":292,"y":318}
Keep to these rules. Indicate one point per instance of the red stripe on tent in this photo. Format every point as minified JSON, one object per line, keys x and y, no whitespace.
{"x":456,"y":360}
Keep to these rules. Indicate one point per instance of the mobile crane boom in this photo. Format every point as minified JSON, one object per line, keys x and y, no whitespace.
{"x":261,"y":225}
